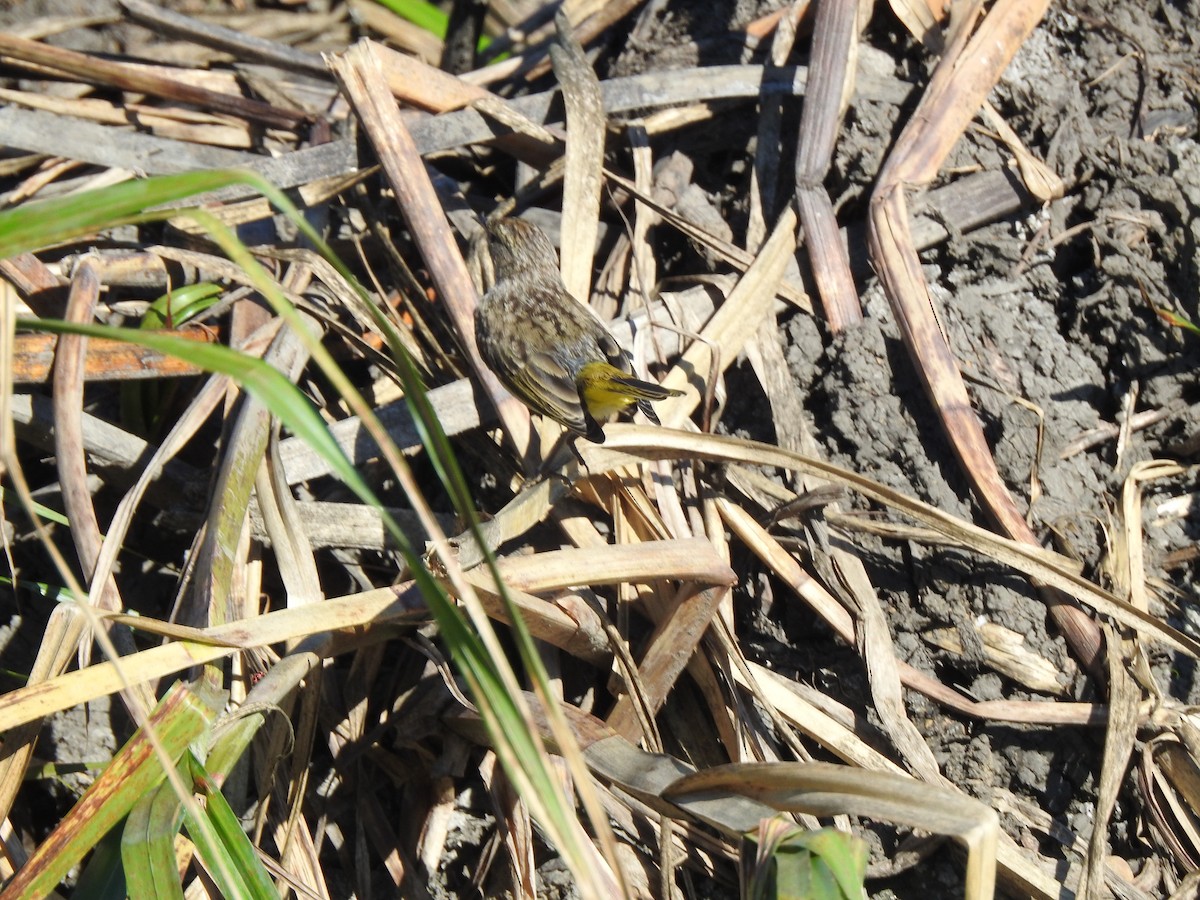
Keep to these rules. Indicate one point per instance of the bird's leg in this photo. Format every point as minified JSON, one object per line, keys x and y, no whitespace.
{"x":557,"y":458}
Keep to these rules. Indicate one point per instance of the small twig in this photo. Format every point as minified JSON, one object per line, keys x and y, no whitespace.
{"x":129,"y":78}
{"x":245,"y":47}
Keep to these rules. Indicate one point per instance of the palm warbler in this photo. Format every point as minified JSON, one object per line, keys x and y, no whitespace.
{"x":552,"y":352}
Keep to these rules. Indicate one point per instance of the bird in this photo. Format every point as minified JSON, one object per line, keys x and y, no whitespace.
{"x":551,"y":351}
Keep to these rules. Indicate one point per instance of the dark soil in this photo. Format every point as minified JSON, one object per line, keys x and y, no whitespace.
{"x":1055,"y":308}
{"x":1051,"y":314}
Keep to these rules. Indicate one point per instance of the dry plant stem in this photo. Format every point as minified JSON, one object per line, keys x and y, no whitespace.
{"x":29,"y":276}
{"x":285,"y":529}
{"x":246,"y":47}
{"x":68,"y":623}
{"x":642,"y":775}
{"x":643,"y":268}
{"x":46,"y":174}
{"x":584,"y":160}
{"x":68,"y":407}
{"x":65,"y":626}
{"x":106,"y":360}
{"x":404,"y":35}
{"x":826,"y":789}
{"x":763,"y":545}
{"x":1124,"y":699}
{"x":767,"y":161}
{"x":538,"y":146}
{"x":874,"y":643}
{"x":765,"y":352}
{"x":1170,"y":781}
{"x":577,"y":632}
{"x":958,"y":87}
{"x":607,"y":15}
{"x":384,"y":606}
{"x":181,"y":432}
{"x":516,"y":828}
{"x":362,"y":78}
{"x":1095,"y":436}
{"x":43,"y":132}
{"x":291,"y":832}
{"x":531,"y":506}
{"x":691,"y":559}
{"x":590,"y":28}
{"x":1040,"y":564}
{"x":732,"y":325}
{"x":671,"y":647}
{"x":455,"y":407}
{"x":1004,"y":651}
{"x":424,"y":86}
{"x":170,"y":122}
{"x":183,"y":715}
{"x":519,"y":31}
{"x":646,"y":776}
{"x":732,"y":718}
{"x":129,"y":150}
{"x":222,"y":551}
{"x":277,"y":505}
{"x":1126,"y":666}
{"x":830,"y":85}
{"x":387,"y":844}
{"x":128,"y":78}
{"x":787,"y":289}
{"x":60,"y":641}
{"x":68,"y":443}
{"x":177,"y":484}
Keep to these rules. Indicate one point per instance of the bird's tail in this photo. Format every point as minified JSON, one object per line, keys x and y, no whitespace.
{"x":606,"y":391}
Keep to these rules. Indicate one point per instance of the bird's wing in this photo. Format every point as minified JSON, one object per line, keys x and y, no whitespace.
{"x":613,"y":353}
{"x":548,"y":388}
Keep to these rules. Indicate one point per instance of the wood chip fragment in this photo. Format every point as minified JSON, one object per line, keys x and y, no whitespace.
{"x":1005,"y":651}
{"x":105,"y":360}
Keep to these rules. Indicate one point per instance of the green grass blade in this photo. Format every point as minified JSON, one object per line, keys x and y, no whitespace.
{"x":33,"y":226}
{"x":237,"y":855}
{"x":843,"y":860}
{"x":50,"y":515}
{"x":424,"y":15}
{"x":266,"y":384}
{"x":103,"y":878}
{"x":519,"y":749}
{"x":286,"y":401}
{"x":797,"y":864}
{"x":182,"y":716}
{"x":54,"y":592}
{"x":148,"y":845}
{"x":177,"y":307}
{"x":427,"y":17}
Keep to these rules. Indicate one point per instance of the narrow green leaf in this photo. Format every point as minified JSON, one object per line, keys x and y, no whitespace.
{"x":54,"y":221}
{"x":33,"y":226}
{"x":266,"y":384}
{"x":55,"y":592}
{"x":181,"y":717}
{"x":177,"y":307}
{"x":103,"y":877}
{"x":1178,"y":320}
{"x":145,"y":403}
{"x":843,"y":856}
{"x":237,"y":855}
{"x":148,"y":844}
{"x":50,"y":515}
{"x":424,"y":15}
{"x":427,"y":17}
{"x":796,"y":864}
